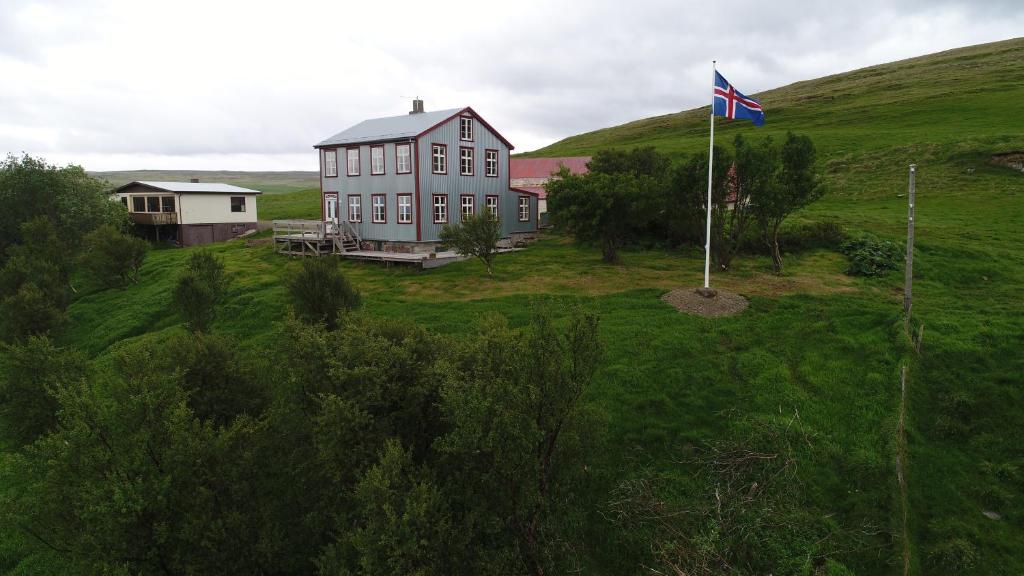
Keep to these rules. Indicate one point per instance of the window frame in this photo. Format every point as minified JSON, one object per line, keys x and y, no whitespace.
{"x":398,"y":205}
{"x":472,"y":160}
{"x":398,"y":164}
{"x":433,"y":155}
{"x":434,"y":205}
{"x":496,"y":211}
{"x":358,"y":205}
{"x":327,"y":164}
{"x":383,"y":207}
{"x":487,"y":154}
{"x":462,"y":206}
{"x":348,"y":161}
{"x":519,"y":208}
{"x":233,"y":198}
{"x":383,"y":160}
{"x":174,"y":204}
{"x":135,"y":200}
{"x":465,"y":121}
{"x":150,"y":202}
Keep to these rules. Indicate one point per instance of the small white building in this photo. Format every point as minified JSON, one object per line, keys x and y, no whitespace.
{"x":190,"y":213}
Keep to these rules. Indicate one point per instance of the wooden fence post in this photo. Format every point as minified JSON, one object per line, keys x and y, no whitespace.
{"x":909,"y":280}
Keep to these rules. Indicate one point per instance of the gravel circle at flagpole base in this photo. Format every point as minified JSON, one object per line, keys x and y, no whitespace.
{"x":722,"y":304}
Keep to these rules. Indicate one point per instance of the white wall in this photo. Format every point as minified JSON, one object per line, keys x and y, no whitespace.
{"x":214,"y":209}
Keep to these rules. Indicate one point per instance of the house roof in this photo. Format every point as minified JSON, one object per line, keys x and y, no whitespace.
{"x":400,"y":127}
{"x":544,"y":167}
{"x":194,"y":187}
{"x":537,"y":191}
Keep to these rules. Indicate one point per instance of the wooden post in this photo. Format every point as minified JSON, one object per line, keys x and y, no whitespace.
{"x":908,"y":282}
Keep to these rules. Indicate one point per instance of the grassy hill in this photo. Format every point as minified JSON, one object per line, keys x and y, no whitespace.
{"x":817,"y":353}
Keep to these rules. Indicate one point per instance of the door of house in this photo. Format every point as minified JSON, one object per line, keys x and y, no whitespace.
{"x":332,"y":210}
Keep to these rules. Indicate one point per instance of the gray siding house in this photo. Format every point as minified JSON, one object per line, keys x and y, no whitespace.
{"x":399,"y":180}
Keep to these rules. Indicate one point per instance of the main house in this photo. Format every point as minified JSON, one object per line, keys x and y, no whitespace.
{"x":190,"y":213}
{"x":399,"y":180}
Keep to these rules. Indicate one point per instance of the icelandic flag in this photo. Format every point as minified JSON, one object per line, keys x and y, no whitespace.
{"x":730,"y":103}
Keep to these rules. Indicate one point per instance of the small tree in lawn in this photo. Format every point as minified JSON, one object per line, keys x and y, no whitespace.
{"x":794,"y":186}
{"x":477,"y":235}
{"x":199,"y":289}
{"x":321,"y":293}
{"x":113,"y":257}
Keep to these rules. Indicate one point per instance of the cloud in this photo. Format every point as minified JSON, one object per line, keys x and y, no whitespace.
{"x":254,"y":84}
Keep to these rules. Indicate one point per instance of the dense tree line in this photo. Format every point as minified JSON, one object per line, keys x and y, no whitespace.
{"x":640,"y":197}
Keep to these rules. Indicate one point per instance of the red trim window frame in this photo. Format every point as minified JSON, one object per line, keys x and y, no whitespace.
{"x":408,"y":159}
{"x":348,"y":161}
{"x":434,"y":149}
{"x":358,"y":205}
{"x":383,"y":160}
{"x":434,"y":205}
{"x":466,"y":128}
{"x":463,"y":158}
{"x":496,"y":208}
{"x":327,"y":165}
{"x":398,"y":211}
{"x":463,"y":204}
{"x":519,"y":209}
{"x":383,"y":208}
{"x":491,"y":155}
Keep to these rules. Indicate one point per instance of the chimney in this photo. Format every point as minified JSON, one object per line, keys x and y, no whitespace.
{"x":417,"y":106}
{"x":194,"y":180}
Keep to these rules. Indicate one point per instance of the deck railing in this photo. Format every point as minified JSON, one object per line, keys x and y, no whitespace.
{"x":300,"y":229}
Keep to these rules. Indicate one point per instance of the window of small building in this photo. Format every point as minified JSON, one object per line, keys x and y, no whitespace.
{"x":152,"y":203}
{"x":167,"y":203}
{"x":524,"y":208}
{"x":238,"y":203}
{"x":330,"y":163}
{"x":124,"y":200}
{"x":138,"y":203}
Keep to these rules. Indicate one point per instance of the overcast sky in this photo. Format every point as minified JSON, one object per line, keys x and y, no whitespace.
{"x":218,"y":84}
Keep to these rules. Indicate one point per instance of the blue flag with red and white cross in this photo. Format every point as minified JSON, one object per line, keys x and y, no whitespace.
{"x":731,"y":103}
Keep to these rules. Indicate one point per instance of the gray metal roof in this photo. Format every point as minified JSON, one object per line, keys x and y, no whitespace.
{"x":390,"y":128}
{"x":198,"y":187}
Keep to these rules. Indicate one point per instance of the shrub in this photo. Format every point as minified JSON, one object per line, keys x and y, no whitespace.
{"x":321,"y":293}
{"x":29,"y":312}
{"x":199,"y":289}
{"x":477,"y":236}
{"x":33,"y":371}
{"x":112,"y":257}
{"x":954,"y":555}
{"x":870,"y":255}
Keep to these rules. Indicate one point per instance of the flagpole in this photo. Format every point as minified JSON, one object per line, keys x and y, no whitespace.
{"x":711,"y":156}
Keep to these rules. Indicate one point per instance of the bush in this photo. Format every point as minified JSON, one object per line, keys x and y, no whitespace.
{"x":954,"y":555}
{"x":199,"y":289}
{"x":321,"y":293}
{"x":871,"y":256}
{"x":477,"y":236}
{"x":33,"y":372}
{"x":112,"y":257}
{"x":29,"y":312}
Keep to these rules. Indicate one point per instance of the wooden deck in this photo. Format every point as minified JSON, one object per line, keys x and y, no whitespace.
{"x":316,"y":238}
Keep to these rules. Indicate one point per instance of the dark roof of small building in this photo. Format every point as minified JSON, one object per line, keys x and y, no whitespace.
{"x":538,"y":191}
{"x":544,"y":167}
{"x":400,"y":127}
{"x":192,"y":187}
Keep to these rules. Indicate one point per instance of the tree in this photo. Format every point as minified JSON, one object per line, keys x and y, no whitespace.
{"x":684,"y":202}
{"x":29,"y":312}
{"x":112,"y":257}
{"x":477,"y":235}
{"x":793,"y":186}
{"x":321,"y":293}
{"x":600,"y":208}
{"x":750,"y":173}
{"x":34,"y":372}
{"x":511,"y":402}
{"x":644,"y":161}
{"x":199,"y":289}
{"x":76,"y":203}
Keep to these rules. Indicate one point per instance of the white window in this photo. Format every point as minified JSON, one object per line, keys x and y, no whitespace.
{"x":405,"y":208}
{"x":376,"y":160}
{"x":492,"y":206}
{"x":524,"y":208}
{"x":237,"y":204}
{"x":466,"y":161}
{"x":465,"y":128}
{"x":439,"y":158}
{"x":380,"y":215}
{"x":467,"y":203}
{"x":353,"y":161}
{"x":330,"y":163}
{"x":491,"y":163}
{"x":355,"y":208}
{"x":402,"y":160}
{"x":440,"y":209}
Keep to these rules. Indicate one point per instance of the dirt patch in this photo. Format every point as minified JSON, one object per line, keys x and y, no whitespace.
{"x":723,"y":303}
{"x":259,"y":242}
{"x":1012,"y":160}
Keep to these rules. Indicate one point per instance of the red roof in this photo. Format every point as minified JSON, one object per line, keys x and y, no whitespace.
{"x":538,"y":190}
{"x":543,"y":167}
